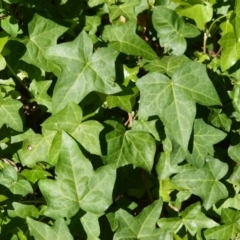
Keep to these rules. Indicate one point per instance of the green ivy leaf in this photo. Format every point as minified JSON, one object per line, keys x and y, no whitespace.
{"x":172,"y":30}
{"x":192,"y":218}
{"x":129,"y":147}
{"x":230,"y":51}
{"x":233,"y":153}
{"x":93,"y":3}
{"x":174,"y":100}
{"x":23,"y":211}
{"x":92,"y":22}
{"x":220,"y":120}
{"x":124,"y":39}
{"x":43,"y":34}
{"x":204,"y":13}
{"x":91,"y":225}
{"x":36,"y":147}
{"x":126,"y":9}
{"x":10,"y":25}
{"x":42,"y":231}
{"x":9,"y":112}
{"x":140,"y":227}
{"x":77,"y":185}
{"x":35,"y":174}
{"x":167,"y":64}
{"x":203,"y":182}
{"x":237,"y":20}
{"x":70,"y":119}
{"x":204,"y":138}
{"x":9,"y":179}
{"x":39,"y":91}
{"x":124,"y":100}
{"x":86,"y":72}
{"x":229,"y":230}
{"x":146,"y":126}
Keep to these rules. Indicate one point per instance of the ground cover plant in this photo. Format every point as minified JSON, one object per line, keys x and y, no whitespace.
{"x":119,"y":119}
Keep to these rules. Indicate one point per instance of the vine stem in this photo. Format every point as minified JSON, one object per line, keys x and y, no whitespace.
{"x":16,"y":76}
{"x":207,"y":32}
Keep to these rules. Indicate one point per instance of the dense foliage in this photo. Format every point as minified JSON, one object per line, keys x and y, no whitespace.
{"x":120,"y":119}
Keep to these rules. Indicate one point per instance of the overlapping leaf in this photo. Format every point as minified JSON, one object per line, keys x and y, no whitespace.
{"x":77,"y":185}
{"x":204,"y":138}
{"x":124,"y":39}
{"x":167,"y":64}
{"x":200,"y":13}
{"x":39,"y":91}
{"x":42,"y":231}
{"x":126,"y":9}
{"x":9,"y":179}
{"x":85,"y":71}
{"x":229,"y":230}
{"x":23,"y":211}
{"x":43,"y":33}
{"x":172,"y":30}
{"x":220,"y":120}
{"x":36,"y":148}
{"x":142,"y":226}
{"x":192,"y":218}
{"x":129,"y":147}
{"x":69,"y":119}
{"x":203,"y":182}
{"x":174,"y":100}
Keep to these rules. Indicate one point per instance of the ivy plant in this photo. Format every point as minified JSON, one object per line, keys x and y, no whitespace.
{"x":119,"y":119}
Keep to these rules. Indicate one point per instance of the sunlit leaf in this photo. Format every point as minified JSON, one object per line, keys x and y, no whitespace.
{"x":77,"y":185}
{"x":85,"y":71}
{"x":204,"y":182}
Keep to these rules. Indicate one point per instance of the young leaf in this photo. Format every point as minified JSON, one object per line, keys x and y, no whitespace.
{"x":42,"y":231}
{"x":43,"y":34}
{"x":9,"y":179}
{"x":203,"y":182}
{"x":129,"y":147}
{"x":35,"y":174}
{"x":36,"y":147}
{"x":172,"y":30}
{"x":23,"y":211}
{"x":77,"y":185}
{"x":220,"y":120}
{"x":124,"y":39}
{"x":86,"y":72}
{"x":204,"y":138}
{"x":140,"y":227}
{"x":39,"y":92}
{"x":174,"y":100}
{"x":200,"y":13}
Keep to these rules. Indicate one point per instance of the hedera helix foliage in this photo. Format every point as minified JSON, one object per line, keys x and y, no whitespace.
{"x":120,"y":119}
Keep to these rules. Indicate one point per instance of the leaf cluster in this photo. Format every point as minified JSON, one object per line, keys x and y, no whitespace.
{"x":119,"y":119}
